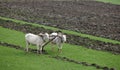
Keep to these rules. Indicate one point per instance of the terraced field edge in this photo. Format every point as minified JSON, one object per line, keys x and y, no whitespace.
{"x":65,"y":31}
{"x":71,"y":39}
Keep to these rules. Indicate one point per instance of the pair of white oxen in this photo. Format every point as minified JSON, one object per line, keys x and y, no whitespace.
{"x":42,"y":38}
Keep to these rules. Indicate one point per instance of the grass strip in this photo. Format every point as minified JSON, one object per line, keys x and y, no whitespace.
{"x":64,"y":31}
{"x":110,"y":1}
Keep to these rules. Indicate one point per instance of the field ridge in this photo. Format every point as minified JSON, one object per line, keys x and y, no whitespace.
{"x":64,"y":31}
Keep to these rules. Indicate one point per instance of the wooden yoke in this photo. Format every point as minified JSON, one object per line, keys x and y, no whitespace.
{"x":48,"y":42}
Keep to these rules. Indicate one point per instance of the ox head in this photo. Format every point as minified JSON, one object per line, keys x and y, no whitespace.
{"x":45,"y":36}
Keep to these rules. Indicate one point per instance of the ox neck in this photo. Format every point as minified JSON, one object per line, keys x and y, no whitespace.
{"x":42,"y":37}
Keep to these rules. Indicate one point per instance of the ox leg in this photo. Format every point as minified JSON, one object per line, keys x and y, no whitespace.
{"x":59,"y":48}
{"x":52,"y":46}
{"x":27,"y":44}
{"x":43,"y":48}
{"x":40,"y":48}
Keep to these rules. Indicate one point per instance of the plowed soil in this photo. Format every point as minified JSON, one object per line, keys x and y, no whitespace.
{"x":85,"y":16}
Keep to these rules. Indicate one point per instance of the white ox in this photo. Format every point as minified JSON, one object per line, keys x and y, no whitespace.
{"x":59,"y":40}
{"x":37,"y":40}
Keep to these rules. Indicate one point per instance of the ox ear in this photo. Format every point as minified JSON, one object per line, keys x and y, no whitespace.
{"x":46,"y":34}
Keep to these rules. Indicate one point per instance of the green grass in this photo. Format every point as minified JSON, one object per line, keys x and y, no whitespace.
{"x":110,"y":1}
{"x":12,"y":36}
{"x":78,"y":53}
{"x":65,"y":31}
{"x":12,"y":59}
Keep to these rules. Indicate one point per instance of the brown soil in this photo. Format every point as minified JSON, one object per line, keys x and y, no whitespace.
{"x":90,"y":17}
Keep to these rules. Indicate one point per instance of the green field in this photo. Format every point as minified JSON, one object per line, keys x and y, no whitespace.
{"x":16,"y":59}
{"x":12,"y":59}
{"x":110,"y":1}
